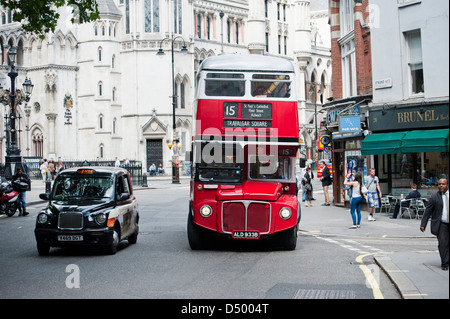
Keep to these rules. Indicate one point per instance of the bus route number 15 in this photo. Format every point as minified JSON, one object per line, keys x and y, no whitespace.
{"x":230,"y":110}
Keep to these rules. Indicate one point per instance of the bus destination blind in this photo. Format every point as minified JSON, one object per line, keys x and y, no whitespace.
{"x":252,"y":115}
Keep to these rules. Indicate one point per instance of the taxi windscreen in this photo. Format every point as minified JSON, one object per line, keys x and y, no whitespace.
{"x":69,"y":186}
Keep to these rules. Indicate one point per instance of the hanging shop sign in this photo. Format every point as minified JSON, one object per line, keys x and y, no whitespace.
{"x":349,"y":126}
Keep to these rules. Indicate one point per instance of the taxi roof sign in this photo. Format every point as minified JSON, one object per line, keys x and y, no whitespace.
{"x":85,"y":171}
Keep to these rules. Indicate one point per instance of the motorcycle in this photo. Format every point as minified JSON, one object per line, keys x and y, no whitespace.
{"x":9,"y":195}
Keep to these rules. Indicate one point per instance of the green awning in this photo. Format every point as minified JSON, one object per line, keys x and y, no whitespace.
{"x":425,"y":141}
{"x":406,"y":142}
{"x":382,"y":143}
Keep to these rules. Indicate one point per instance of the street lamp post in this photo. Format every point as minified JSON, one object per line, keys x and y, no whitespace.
{"x":175,"y":139}
{"x":13,"y":98}
{"x":312,"y":93}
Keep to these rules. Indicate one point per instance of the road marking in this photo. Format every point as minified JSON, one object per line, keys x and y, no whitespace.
{"x":370,"y":278}
{"x":371,"y":281}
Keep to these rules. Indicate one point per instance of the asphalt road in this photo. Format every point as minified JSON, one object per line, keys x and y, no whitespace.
{"x":161,"y":264}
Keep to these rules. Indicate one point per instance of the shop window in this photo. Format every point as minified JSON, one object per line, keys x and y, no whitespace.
{"x":431,"y":167}
{"x":423,"y":169}
{"x":354,"y":163}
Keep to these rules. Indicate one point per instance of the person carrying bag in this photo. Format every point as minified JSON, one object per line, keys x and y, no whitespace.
{"x":307,"y":186}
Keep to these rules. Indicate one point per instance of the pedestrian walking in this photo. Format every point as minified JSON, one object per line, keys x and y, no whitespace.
{"x":21,"y":176}
{"x":44,"y":169}
{"x":373,"y":193}
{"x":60,"y":166}
{"x":52,"y":169}
{"x":307,"y":186}
{"x":437,"y":208}
{"x":355,"y":202}
{"x":326,"y":181}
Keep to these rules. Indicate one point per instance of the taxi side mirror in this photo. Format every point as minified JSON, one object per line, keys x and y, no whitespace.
{"x":44,"y":196}
{"x":123,"y":196}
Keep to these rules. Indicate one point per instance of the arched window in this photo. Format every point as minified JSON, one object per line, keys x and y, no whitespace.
{"x":182,"y":99}
{"x":114,"y":126}
{"x":99,"y":54}
{"x":100,"y":88}
{"x":101,"y":150}
{"x":38,"y":142}
{"x":100,"y":121}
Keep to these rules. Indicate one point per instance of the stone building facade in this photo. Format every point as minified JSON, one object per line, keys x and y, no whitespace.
{"x":102,"y":91}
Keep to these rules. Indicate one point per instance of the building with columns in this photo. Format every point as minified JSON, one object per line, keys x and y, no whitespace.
{"x":102,"y":91}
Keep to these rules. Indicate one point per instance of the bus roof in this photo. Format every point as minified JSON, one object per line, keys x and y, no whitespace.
{"x":247,"y":62}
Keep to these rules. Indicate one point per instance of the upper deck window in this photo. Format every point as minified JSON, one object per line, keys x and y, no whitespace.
{"x":225,"y":84}
{"x":271,"y":85}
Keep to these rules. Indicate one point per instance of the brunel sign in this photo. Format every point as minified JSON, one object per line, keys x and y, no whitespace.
{"x":410,"y":118}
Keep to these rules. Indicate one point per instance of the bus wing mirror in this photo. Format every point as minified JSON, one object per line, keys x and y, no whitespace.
{"x":302,"y":162}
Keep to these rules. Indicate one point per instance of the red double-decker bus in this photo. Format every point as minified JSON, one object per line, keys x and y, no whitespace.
{"x":243,"y":183}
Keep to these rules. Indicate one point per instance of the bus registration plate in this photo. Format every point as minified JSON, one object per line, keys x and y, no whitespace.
{"x":245,"y":234}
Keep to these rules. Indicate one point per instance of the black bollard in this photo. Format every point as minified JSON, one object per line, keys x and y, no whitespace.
{"x":144,"y":180}
{"x":48,"y":185}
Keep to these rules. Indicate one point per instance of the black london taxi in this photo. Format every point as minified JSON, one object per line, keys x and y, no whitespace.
{"x":88,"y":206}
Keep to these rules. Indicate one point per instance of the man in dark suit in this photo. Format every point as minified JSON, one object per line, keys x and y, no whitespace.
{"x":326,"y":181}
{"x":437,"y":208}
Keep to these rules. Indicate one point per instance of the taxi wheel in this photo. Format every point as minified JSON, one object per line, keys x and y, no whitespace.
{"x":112,"y":248}
{"x":132,"y":239}
{"x":43,"y":249}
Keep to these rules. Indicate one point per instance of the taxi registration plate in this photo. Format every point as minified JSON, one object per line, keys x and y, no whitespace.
{"x":70,"y":238}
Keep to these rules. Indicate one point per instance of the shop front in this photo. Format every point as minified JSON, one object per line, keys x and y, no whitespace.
{"x":409,"y":145}
{"x":346,"y":123}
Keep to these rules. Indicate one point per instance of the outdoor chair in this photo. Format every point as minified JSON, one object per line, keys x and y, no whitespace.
{"x":385,"y":204}
{"x":419,"y":208}
{"x":408,"y":209}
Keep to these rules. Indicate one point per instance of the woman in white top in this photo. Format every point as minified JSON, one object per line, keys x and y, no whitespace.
{"x":355,"y":203}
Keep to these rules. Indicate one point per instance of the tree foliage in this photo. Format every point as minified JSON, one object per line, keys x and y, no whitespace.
{"x":41,"y":16}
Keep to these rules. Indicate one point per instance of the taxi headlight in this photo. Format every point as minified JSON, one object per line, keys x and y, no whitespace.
{"x":42,"y":218}
{"x":285,"y":213}
{"x":206,"y":211}
{"x":100,"y":218}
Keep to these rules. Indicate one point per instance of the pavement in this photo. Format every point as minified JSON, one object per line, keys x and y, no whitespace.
{"x":416,"y":274}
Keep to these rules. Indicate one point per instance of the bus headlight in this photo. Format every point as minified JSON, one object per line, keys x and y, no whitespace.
{"x":285,"y":213}
{"x":206,"y":211}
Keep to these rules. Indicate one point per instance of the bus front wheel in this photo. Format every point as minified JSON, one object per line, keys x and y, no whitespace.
{"x":288,"y":238}
{"x":196,"y":236}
